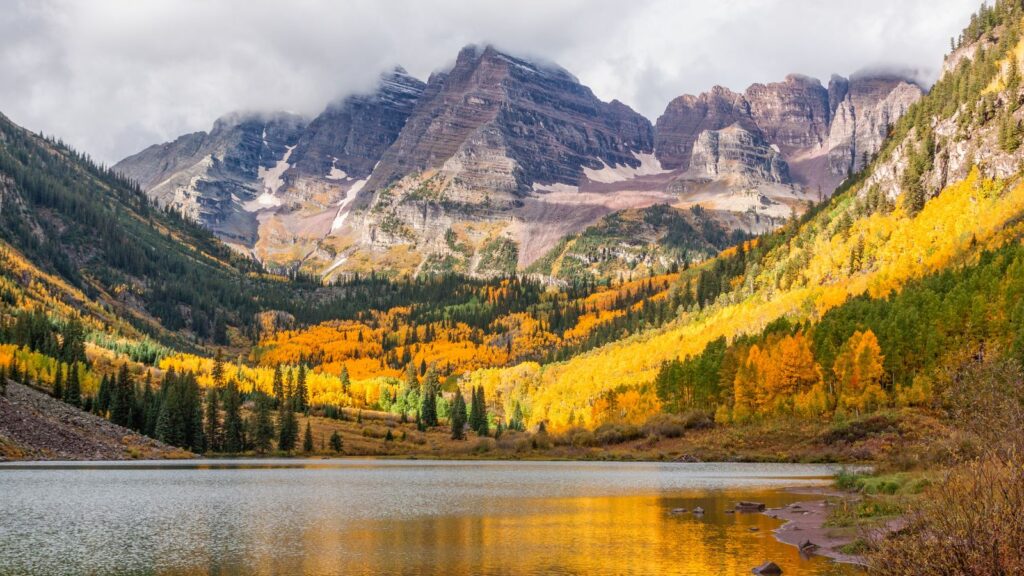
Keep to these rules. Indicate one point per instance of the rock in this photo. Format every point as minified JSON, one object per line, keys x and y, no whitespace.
{"x":753,"y":529}
{"x":678,"y":511}
{"x":351,"y":135}
{"x":819,"y":134}
{"x":744,"y":506}
{"x":741,"y":154}
{"x":768,"y":569}
{"x":698,"y":510}
{"x":498,"y":106}
{"x":807,"y":546}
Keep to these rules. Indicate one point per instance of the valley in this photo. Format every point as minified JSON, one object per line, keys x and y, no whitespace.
{"x":493,"y":263}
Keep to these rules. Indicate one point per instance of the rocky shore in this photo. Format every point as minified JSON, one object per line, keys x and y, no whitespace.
{"x":34,"y":426}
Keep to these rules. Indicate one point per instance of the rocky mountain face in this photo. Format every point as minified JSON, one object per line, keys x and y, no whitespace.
{"x":253,"y":170}
{"x":821,"y":134}
{"x":502,"y":123}
{"x":501,"y":154}
{"x":212,"y":177}
{"x":348,"y":138}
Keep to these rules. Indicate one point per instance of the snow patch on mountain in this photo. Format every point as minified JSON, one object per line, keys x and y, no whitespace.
{"x":343,"y":205}
{"x":272,"y":180}
{"x":649,"y":166}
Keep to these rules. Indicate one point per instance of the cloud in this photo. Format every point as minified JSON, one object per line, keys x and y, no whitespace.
{"x":112,"y":76}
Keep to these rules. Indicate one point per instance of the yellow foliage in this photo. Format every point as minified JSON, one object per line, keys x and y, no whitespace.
{"x":858,"y":371}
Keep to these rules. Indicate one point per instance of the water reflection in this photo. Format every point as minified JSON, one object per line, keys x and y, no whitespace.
{"x":379,"y":517}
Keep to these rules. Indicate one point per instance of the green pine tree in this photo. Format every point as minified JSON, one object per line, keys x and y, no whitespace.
{"x":234,"y":429}
{"x":263,"y":432}
{"x":73,"y":389}
{"x":212,"y":432}
{"x":336,"y":441}
{"x":301,"y":393}
{"x":288,"y":428}
{"x":278,"y":386}
{"x":346,"y":383}
{"x":428,"y":406}
{"x":58,"y":383}
{"x":458,"y":416}
{"x":307,"y":440}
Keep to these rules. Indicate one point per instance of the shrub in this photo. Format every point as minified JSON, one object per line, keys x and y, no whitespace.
{"x":611,"y":433}
{"x":665,"y":426}
{"x":855,"y":430}
{"x":578,"y":437}
{"x":969,"y":524}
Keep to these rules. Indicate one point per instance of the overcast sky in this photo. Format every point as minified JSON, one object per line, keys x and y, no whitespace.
{"x":113,"y":76}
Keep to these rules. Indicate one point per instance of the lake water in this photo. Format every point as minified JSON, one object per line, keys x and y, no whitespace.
{"x":394,"y":517}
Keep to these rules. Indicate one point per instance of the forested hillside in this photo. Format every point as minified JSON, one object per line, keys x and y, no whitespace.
{"x":912,"y":267}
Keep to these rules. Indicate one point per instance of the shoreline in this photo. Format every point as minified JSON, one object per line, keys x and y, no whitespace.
{"x":804,"y":521}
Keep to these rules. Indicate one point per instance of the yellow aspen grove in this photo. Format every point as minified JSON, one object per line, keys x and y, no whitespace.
{"x":858,"y":371}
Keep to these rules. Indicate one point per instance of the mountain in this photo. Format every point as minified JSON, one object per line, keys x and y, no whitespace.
{"x":642,"y":242}
{"x":77,"y":239}
{"x":795,"y":132}
{"x":499,"y":154}
{"x":254,"y":176}
{"x":218,"y":178}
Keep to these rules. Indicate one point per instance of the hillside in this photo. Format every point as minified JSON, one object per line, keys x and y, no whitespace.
{"x":79,"y":237}
{"x":35,"y":426}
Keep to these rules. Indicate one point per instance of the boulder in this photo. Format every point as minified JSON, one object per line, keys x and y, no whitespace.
{"x":768,"y":569}
{"x":744,"y":506}
{"x":698,"y":510}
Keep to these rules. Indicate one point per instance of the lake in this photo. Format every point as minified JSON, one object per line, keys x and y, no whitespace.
{"x":291,"y":516}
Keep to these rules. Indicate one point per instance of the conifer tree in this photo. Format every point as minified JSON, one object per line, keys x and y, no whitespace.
{"x":3,"y":381}
{"x":120,"y":402}
{"x":278,"y":386}
{"x":336,"y":441}
{"x":346,"y":383}
{"x":263,"y":433}
{"x":152,"y":407}
{"x":73,"y":389}
{"x":58,"y":383}
{"x":476,"y":410}
{"x":213,"y":430}
{"x":103,"y":397}
{"x":307,"y":440}
{"x":234,"y":429}
{"x":458,"y":416}
{"x":288,"y":429}
{"x":428,"y":406}
{"x":517,"y":422}
{"x":301,"y":393}
{"x":217,"y":372}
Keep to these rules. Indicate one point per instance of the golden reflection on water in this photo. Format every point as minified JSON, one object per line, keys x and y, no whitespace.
{"x":579,"y":535}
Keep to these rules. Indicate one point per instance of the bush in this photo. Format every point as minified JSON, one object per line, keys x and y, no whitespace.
{"x":578,"y":437}
{"x":375,"y":432}
{"x":610,"y":433}
{"x":969,"y":524}
{"x":697,"y":419}
{"x":860,"y":429}
{"x":665,"y":426}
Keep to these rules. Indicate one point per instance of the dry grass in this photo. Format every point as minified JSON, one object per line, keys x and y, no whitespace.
{"x":969,"y":524}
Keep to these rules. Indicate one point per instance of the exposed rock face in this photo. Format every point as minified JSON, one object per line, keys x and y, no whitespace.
{"x":350,"y":136}
{"x":737,"y":151}
{"x":863,"y":109}
{"x":509,"y":154}
{"x":210,"y":176}
{"x":687,"y":116}
{"x":822,"y":134}
{"x":492,"y":106}
{"x":793,"y":114}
